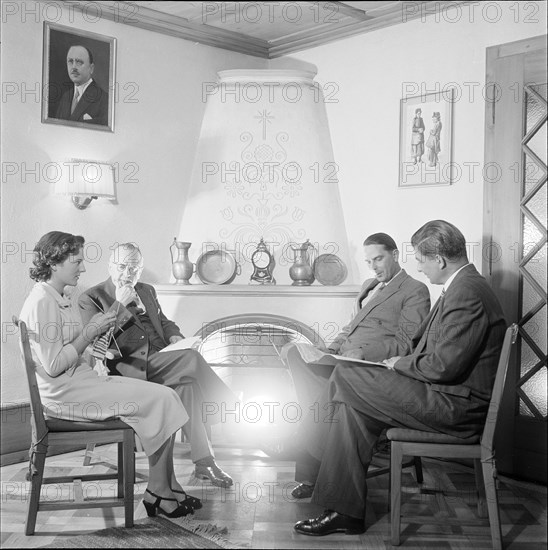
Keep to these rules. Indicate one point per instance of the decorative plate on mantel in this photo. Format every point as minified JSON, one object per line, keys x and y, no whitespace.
{"x":329,"y":270}
{"x":217,"y":267}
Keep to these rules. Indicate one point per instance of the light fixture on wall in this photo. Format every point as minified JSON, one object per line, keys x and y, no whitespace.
{"x":86,"y":180}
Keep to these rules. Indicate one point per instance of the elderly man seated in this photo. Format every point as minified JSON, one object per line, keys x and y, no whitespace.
{"x":142,"y":332}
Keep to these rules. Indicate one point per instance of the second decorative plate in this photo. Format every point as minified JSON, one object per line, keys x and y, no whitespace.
{"x":329,"y":269}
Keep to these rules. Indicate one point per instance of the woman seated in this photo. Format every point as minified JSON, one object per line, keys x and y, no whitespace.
{"x":70,"y":389}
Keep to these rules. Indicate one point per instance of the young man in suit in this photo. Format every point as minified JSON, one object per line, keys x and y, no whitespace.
{"x":388,"y":311}
{"x":86,"y":101}
{"x":443,"y":385}
{"x":142,"y":331}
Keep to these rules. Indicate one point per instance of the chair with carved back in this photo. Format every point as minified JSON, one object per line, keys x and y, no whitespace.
{"x":481,"y":449}
{"x":47,"y":433}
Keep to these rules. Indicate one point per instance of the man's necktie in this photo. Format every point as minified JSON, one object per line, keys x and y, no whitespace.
{"x":136,"y":307}
{"x":372,"y":293}
{"x":75,"y":100}
{"x":437,"y":305}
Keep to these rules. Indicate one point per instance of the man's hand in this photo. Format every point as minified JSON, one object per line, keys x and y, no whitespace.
{"x":175,"y":338}
{"x":354,"y":353}
{"x":126,"y":294}
{"x":391,"y":361}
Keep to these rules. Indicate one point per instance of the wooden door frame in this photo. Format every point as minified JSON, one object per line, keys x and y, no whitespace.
{"x":493,"y":54}
{"x":498,"y":201}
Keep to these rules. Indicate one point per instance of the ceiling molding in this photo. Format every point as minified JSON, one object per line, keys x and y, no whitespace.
{"x":156,"y":21}
{"x":232,"y":30}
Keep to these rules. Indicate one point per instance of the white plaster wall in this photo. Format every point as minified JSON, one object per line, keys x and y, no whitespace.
{"x":157,"y":135}
{"x":157,"y":122}
{"x":364,"y":78}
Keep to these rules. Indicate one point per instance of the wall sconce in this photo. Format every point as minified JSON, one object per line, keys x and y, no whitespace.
{"x":86,"y":180}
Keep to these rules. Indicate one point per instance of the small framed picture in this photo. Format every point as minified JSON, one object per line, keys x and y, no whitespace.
{"x":78,"y":71}
{"x":426,"y":139}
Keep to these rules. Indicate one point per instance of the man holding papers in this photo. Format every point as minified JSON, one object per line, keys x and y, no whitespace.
{"x":388,"y":311}
{"x":142,"y":332}
{"x":442,"y":384}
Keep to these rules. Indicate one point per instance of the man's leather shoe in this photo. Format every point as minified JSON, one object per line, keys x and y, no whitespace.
{"x":330,"y":522}
{"x":206,"y":468}
{"x":303,"y":490}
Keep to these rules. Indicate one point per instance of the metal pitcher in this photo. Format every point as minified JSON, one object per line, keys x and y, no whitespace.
{"x":182,"y":267}
{"x":302,"y":272}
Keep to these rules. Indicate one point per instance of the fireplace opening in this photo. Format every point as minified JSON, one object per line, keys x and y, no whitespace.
{"x":244,"y":350}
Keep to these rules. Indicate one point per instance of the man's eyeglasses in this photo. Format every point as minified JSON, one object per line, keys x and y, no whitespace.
{"x":133,"y":269}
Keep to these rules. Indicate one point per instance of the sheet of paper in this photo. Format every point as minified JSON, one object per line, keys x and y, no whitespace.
{"x":190,"y":342}
{"x":364,"y":361}
{"x":310,"y":354}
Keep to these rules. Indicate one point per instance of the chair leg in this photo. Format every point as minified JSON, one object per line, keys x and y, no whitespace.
{"x":128,"y":453}
{"x":39,"y":461}
{"x":489,"y":477}
{"x":396,"y":458}
{"x":89,"y":454}
{"x":480,"y":486}
{"x":121,"y":470}
{"x":418,"y":469}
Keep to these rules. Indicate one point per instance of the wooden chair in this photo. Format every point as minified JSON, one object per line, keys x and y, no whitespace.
{"x":481,"y":449}
{"x":49,"y":432}
{"x":376,"y":469}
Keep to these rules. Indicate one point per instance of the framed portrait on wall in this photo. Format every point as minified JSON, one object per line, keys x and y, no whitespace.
{"x":78,"y":70}
{"x":426,"y":139}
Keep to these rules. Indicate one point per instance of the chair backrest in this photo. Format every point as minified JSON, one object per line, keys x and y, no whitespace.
{"x":38,"y":422}
{"x":498,"y":387}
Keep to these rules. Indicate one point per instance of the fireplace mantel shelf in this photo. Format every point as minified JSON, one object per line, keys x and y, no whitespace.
{"x":343,"y":291}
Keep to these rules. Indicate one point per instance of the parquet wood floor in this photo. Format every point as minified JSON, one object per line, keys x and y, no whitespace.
{"x":259,"y":512}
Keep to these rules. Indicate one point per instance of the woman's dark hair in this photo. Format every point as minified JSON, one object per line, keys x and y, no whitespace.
{"x":52,"y":249}
{"x":381,"y":239}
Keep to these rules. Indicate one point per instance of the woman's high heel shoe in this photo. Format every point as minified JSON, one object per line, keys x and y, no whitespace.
{"x":153,"y":508}
{"x":195,"y":502}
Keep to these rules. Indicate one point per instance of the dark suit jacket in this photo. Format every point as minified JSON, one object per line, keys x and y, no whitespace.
{"x":93,"y":103}
{"x":385,"y":325}
{"x":130,"y":336}
{"x":457,"y":348}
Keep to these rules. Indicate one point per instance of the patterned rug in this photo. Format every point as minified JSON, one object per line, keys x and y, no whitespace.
{"x":150,"y":533}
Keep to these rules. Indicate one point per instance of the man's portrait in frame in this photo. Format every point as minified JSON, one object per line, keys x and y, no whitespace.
{"x":78,"y":78}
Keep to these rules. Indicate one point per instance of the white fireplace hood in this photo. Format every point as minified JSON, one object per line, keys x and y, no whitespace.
{"x":264,"y":167}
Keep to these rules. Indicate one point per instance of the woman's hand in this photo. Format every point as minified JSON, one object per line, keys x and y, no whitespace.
{"x":99,"y":324}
